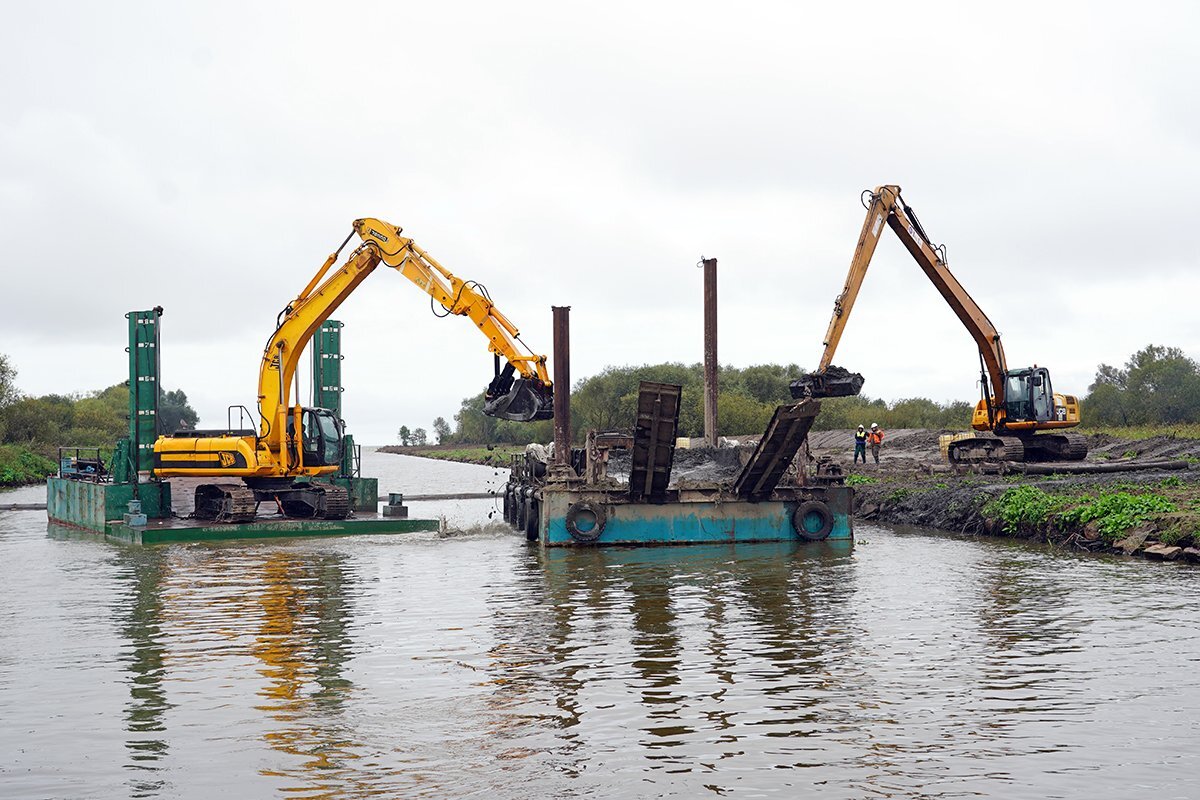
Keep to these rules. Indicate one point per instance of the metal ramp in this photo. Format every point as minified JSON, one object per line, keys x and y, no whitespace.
{"x":654,"y":440}
{"x":784,"y":435}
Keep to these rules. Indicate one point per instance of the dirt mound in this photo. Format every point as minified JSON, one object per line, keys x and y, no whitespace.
{"x":692,"y":466}
{"x":1104,"y":446}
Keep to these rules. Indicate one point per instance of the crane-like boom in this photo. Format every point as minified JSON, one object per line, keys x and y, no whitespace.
{"x":886,"y":206}
{"x":529,"y":397}
{"x":1013,"y":403}
{"x":293,"y":442}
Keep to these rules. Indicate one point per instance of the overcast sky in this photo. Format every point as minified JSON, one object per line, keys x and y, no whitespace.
{"x":206,"y":157}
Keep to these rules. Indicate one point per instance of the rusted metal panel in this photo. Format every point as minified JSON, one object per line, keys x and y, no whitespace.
{"x":654,"y":439}
{"x":562,"y":385}
{"x":785,"y":434}
{"x":83,"y":504}
{"x":710,"y":351}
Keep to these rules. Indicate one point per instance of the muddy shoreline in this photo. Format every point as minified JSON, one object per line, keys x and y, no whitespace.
{"x":1153,"y":513}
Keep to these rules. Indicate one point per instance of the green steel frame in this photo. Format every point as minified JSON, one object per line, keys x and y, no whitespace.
{"x":143,"y":387}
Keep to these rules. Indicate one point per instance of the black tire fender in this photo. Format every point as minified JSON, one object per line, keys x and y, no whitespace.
{"x":533,"y":514}
{"x":508,"y":504}
{"x":593,"y":511}
{"x":804,"y":511}
{"x":518,"y":509}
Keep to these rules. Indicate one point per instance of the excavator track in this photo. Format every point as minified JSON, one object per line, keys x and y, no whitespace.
{"x":225,"y":502}
{"x":337,"y":503}
{"x":1056,"y":447}
{"x":981,"y":449}
{"x":313,"y":501}
{"x":1021,"y":450}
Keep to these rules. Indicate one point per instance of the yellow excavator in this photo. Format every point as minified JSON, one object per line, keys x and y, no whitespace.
{"x":294,"y":444}
{"x":1018,"y":406}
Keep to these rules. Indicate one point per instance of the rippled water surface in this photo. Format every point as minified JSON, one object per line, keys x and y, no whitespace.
{"x":914,"y":665}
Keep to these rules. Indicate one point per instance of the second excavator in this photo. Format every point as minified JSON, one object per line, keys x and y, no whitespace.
{"x":276,"y":462}
{"x":1018,"y":406}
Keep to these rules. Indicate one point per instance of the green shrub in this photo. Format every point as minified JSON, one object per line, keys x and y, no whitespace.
{"x":1117,"y":512}
{"x":19,"y":465}
{"x":1023,"y":506}
{"x":860,"y":480}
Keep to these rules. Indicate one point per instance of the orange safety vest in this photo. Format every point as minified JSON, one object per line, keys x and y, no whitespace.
{"x":875,"y":436}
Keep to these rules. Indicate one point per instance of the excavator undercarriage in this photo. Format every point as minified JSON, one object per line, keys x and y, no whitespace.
{"x":235,"y":502}
{"x":1033,"y":448}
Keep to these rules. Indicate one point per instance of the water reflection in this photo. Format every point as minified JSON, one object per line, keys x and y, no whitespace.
{"x":667,"y":640}
{"x":140,"y":615}
{"x":302,"y":644}
{"x":913,"y":666}
{"x":287,"y":608}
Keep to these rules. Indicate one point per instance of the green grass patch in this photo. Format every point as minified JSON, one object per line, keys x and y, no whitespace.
{"x":1024,"y":506}
{"x":1181,"y":431}
{"x":499,"y":454}
{"x":860,"y":480}
{"x":1117,"y":512}
{"x":19,"y":466}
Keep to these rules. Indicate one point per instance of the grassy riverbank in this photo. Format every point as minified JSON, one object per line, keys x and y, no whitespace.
{"x":1153,"y":512}
{"x":20,"y":466}
{"x":490,"y":455}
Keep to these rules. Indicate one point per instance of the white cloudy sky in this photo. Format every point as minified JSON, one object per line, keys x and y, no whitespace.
{"x":207,"y":156}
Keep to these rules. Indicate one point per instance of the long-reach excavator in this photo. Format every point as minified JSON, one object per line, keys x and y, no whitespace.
{"x":292,"y":443}
{"x":1015,"y":405}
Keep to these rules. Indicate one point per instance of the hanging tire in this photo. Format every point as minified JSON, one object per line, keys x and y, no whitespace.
{"x":518,"y":509}
{"x":585,"y":521}
{"x":532,"y":519}
{"x":812,"y":520}
{"x":507,"y":504}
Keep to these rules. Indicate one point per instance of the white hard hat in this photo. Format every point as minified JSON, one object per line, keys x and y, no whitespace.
{"x":874,"y":424}
{"x":860,"y":427}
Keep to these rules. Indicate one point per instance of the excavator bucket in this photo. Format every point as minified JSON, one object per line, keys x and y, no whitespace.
{"x":833,"y":382}
{"x":524,"y":401}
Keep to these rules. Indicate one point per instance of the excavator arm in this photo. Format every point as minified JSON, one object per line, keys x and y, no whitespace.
{"x":524,"y":398}
{"x":887,"y":206}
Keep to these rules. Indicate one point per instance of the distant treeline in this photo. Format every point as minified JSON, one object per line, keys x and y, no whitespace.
{"x":747,"y":399}
{"x":1157,"y":386}
{"x":96,"y":419}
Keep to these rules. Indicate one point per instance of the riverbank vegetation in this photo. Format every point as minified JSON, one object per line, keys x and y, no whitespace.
{"x":33,"y":428}
{"x":491,"y":455}
{"x":1157,"y":391}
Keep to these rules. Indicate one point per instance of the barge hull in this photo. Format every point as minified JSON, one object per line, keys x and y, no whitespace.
{"x":691,"y":520}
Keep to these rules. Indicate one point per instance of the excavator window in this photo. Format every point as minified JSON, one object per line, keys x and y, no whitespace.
{"x":322,"y":438}
{"x":1017,"y":399}
{"x":1043,"y":399}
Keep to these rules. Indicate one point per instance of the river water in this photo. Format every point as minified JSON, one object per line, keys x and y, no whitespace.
{"x":474,"y":665}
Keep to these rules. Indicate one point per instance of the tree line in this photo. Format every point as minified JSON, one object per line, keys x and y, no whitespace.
{"x":1157,"y":386}
{"x":95,"y":419}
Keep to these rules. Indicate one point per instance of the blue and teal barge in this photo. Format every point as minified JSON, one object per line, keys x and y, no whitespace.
{"x":774,"y":497}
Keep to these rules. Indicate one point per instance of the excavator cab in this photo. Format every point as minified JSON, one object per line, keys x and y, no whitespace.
{"x":321,"y":437}
{"x":1028,"y":395}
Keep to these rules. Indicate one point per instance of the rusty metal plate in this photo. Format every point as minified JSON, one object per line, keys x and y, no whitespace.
{"x":785,"y":434}
{"x":654,"y":439}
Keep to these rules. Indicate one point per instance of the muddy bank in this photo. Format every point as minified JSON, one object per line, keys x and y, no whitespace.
{"x":1155,"y":513}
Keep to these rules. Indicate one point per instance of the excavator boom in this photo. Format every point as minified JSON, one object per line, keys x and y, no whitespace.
{"x":294,"y":442}
{"x":1014,"y":402}
{"x":521,"y":391}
